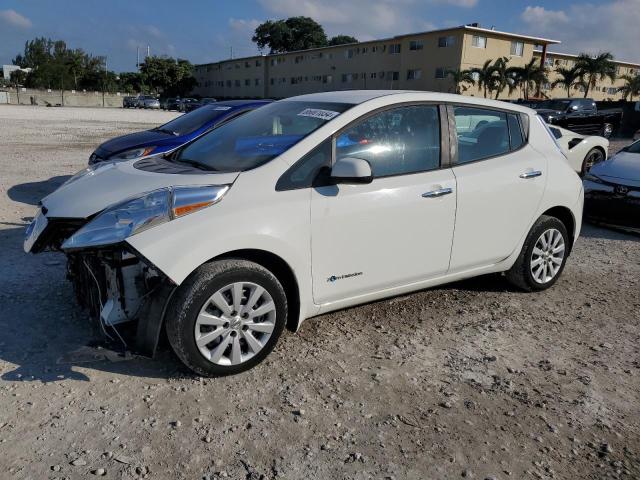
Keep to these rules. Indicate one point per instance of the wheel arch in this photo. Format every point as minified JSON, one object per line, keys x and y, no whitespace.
{"x":282,"y":271}
{"x":565,"y":215}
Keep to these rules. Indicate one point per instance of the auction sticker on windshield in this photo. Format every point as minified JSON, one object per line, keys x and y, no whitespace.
{"x":317,"y":113}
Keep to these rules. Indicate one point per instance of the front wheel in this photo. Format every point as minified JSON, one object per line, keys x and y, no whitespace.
{"x":226,"y":317}
{"x":543,"y":256}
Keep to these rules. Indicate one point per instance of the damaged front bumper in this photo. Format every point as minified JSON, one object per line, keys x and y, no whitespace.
{"x":125,"y":295}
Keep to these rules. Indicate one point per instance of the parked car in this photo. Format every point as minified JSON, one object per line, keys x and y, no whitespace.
{"x":172,"y":104}
{"x":307,"y":205}
{"x":130,"y":102}
{"x":583,"y":152}
{"x":172,"y":135}
{"x":185,"y":102}
{"x":198,"y":103}
{"x":151,"y":103}
{"x":580,"y":115}
{"x":612,"y":189}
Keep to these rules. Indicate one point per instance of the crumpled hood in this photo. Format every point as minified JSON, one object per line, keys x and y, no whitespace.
{"x":622,"y":168}
{"x":112,"y":183}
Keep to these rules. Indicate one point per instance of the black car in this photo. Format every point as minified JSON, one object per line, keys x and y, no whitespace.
{"x":197,"y":104}
{"x":612,"y":189}
{"x":580,"y":115}
{"x":129,"y":102}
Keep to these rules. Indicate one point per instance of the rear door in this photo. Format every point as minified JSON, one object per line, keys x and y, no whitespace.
{"x":500,"y":181}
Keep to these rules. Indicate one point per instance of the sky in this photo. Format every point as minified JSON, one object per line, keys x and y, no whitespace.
{"x":208,"y":30}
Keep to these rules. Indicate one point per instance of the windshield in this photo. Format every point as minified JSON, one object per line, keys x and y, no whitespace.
{"x":259,"y":136}
{"x":192,"y":121}
{"x":560,"y":105}
{"x":634,"y":147}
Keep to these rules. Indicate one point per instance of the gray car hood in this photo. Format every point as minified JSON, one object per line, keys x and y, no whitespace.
{"x":622,"y":168}
{"x":114,"y":182}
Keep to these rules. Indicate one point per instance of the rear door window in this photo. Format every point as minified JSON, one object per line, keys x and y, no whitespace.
{"x":481,"y":133}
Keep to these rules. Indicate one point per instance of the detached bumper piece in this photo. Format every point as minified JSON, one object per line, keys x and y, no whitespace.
{"x":612,"y":204}
{"x":124,"y":295}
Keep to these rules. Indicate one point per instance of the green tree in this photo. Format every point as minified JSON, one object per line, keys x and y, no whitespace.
{"x":529,"y":76}
{"x":501,"y":75}
{"x":595,"y":68}
{"x":18,"y":77}
{"x":484,"y":77}
{"x":342,"y":40}
{"x":294,"y":33}
{"x":568,"y":78}
{"x":168,"y":75}
{"x":631,"y":86}
{"x":459,"y":78}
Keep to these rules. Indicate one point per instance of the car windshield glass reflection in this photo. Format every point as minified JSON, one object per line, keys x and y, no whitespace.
{"x":259,"y":136}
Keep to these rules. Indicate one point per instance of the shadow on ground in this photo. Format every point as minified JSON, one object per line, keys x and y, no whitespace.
{"x":32,"y":192}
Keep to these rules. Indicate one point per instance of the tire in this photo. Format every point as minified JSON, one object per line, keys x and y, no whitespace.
{"x":248,"y":340}
{"x":521,"y":274}
{"x":607,"y":130}
{"x":593,"y":156}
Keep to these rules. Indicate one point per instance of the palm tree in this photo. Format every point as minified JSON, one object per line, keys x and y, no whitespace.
{"x":501,"y":75}
{"x":569,"y":78}
{"x":484,"y":77}
{"x":631,"y":86}
{"x":529,"y":76}
{"x":459,"y":78}
{"x":595,"y":68}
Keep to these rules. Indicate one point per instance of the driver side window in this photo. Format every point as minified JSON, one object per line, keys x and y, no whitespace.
{"x":395,"y":142}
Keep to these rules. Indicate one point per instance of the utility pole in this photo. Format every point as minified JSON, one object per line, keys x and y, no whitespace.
{"x":104,"y":81}
{"x":138,"y":57}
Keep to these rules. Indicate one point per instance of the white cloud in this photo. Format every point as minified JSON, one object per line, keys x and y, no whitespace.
{"x":590,"y":27}
{"x":363,"y":19}
{"x":459,"y":3}
{"x":11,"y":17}
{"x":243,"y":25}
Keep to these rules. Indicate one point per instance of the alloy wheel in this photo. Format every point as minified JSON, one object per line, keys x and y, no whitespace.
{"x":593,"y":157}
{"x":235,"y":323}
{"x":547,"y":256}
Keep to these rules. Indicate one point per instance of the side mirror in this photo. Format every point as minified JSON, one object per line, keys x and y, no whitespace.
{"x":351,"y":170}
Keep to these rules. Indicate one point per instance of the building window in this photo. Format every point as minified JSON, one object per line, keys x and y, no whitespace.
{"x":394,"y":48}
{"x":448,"y":41}
{"x":237,"y":83}
{"x":247,"y":82}
{"x":612,"y":91}
{"x":393,"y":76}
{"x":416,"y":45}
{"x":247,"y":64}
{"x":258,"y":63}
{"x":257,"y":82}
{"x":299,"y":58}
{"x":228,"y":83}
{"x":548,"y":62}
{"x":373,"y":75}
{"x":479,"y":41}
{"x":364,"y":50}
{"x":440,"y":72}
{"x":327,"y":78}
{"x":414,"y":74}
{"x":546,"y":86}
{"x":517,"y":48}
{"x":271,"y":81}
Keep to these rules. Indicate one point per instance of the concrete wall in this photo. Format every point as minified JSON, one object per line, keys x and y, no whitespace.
{"x":68,"y":98}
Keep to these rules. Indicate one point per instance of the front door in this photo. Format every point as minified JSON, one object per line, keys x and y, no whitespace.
{"x":395,"y":230}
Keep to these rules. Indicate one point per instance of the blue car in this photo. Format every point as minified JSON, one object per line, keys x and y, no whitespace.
{"x":174,"y":134}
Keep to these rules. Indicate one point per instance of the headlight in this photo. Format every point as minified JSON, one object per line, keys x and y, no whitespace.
{"x":136,"y":215}
{"x":134,"y":153}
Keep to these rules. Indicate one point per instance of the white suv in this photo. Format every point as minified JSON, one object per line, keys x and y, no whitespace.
{"x":309,"y":205}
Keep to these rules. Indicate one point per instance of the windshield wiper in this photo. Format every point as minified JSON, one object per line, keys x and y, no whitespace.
{"x":166,"y":130}
{"x":193,"y":163}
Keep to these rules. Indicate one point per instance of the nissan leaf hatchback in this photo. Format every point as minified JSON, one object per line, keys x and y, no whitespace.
{"x":309,"y":205}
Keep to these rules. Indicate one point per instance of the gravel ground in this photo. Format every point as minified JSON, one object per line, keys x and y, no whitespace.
{"x":470,"y":380}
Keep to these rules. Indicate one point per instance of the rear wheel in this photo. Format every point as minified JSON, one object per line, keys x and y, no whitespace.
{"x":543,"y":256}
{"x":227,"y":317}
{"x":593,"y":156}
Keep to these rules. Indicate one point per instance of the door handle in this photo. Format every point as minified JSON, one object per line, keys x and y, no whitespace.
{"x":437,"y":193}
{"x":533,"y":174}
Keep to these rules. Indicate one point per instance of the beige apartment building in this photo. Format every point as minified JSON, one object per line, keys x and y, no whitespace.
{"x":416,"y":61}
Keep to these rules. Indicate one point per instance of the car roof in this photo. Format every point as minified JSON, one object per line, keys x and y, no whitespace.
{"x":355,"y":97}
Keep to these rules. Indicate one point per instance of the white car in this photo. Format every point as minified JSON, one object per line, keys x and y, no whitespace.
{"x":582,"y":151}
{"x":309,"y":205}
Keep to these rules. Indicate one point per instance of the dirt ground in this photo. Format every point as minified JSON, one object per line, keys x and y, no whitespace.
{"x":471,"y":380}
